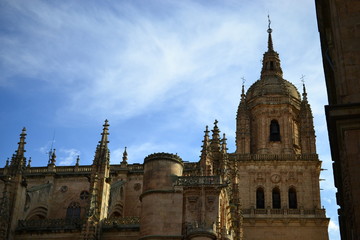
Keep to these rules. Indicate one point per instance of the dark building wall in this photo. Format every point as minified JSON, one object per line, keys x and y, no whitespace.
{"x":339,"y":28}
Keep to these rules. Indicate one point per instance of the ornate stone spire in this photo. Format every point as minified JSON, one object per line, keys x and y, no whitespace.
{"x":204,"y":147}
{"x":205,"y":161}
{"x":52,"y":158}
{"x":243,"y":126}
{"x":104,"y":139}
{"x":307,"y":132}
{"x":125,"y":157}
{"x":271,"y":61}
{"x":21,"y":148}
{"x":270,"y":43}
{"x":224,"y":144}
{"x":304,"y":93}
{"x":102,"y":151}
{"x":206,"y":140}
{"x":18,"y":160}
{"x":99,"y":188}
{"x":215,"y":141}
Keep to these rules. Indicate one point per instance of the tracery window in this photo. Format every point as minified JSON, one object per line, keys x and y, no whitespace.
{"x":276,"y":200}
{"x":73,"y":210}
{"x":274,"y":131}
{"x":260,"y":198}
{"x":292,"y":198}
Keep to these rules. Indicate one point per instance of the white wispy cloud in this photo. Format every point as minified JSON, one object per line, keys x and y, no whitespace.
{"x":137,"y":153}
{"x":333,"y":227}
{"x":67,"y":156}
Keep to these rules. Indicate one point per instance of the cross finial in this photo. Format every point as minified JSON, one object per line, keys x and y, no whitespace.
{"x":302,"y":78}
{"x":243,"y":80}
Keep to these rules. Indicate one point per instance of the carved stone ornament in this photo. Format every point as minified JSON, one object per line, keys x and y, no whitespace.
{"x":210,"y":206}
{"x":137,"y":186}
{"x":276,"y":178}
{"x":84,"y":195}
{"x":193,"y":203}
{"x":63,"y":189}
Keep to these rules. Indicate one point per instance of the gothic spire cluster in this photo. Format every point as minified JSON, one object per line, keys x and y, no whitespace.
{"x":213,"y":152}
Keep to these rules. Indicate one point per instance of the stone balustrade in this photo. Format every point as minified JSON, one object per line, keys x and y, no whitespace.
{"x":252,"y":212}
{"x":272,"y":157}
{"x":198,"y":180}
{"x":121,"y":222}
{"x":49,"y":224}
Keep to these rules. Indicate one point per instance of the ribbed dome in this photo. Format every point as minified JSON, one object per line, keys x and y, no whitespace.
{"x":272,"y":85}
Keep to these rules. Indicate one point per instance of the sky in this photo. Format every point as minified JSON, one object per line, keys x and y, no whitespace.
{"x":158,"y":70}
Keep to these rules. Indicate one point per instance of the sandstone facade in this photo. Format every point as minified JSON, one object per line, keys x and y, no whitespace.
{"x":267,"y":189}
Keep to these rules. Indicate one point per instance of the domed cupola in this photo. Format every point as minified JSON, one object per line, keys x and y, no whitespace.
{"x":271,"y":81}
{"x":271,"y":109}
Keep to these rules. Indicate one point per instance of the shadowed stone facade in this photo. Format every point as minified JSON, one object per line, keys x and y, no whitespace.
{"x":267,"y":189}
{"x":339,"y":28}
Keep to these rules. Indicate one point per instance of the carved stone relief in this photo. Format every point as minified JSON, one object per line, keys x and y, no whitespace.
{"x":193,"y":202}
{"x":210,"y":203}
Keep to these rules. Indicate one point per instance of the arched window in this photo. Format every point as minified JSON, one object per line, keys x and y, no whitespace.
{"x":260,"y":198}
{"x":276,"y":201}
{"x":117,"y":211}
{"x":73,"y":210}
{"x":271,"y":65}
{"x":292,"y":198}
{"x":37,"y":213}
{"x":274,"y":131}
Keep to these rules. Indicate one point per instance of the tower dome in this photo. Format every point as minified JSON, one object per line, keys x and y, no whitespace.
{"x":271,"y":81}
{"x":268,"y":115}
{"x":272,"y":86}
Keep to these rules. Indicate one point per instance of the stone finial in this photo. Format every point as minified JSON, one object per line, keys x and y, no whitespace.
{"x":215,"y":140}
{"x":224,"y":144}
{"x":125,"y":156}
{"x":52,"y":158}
{"x":104,"y":139}
{"x":270,"y":43}
{"x":77,"y":160}
{"x":205,"y":145}
{"x":29,"y":163}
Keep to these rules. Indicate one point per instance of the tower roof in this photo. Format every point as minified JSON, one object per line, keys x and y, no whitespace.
{"x":271,"y":81}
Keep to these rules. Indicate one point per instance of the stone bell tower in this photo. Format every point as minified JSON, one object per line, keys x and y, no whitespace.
{"x":278,"y":168}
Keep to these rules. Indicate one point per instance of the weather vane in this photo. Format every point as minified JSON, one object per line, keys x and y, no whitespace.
{"x":243,"y":80}
{"x":269,"y":28}
{"x":302,"y":78}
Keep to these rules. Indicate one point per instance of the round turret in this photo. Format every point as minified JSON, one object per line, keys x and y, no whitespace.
{"x":161,"y":204}
{"x":159,"y":170}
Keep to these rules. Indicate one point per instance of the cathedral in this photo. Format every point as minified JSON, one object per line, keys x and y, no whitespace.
{"x":267,"y":189}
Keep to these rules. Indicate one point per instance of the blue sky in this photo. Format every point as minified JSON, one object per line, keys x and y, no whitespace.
{"x":158,"y":70}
